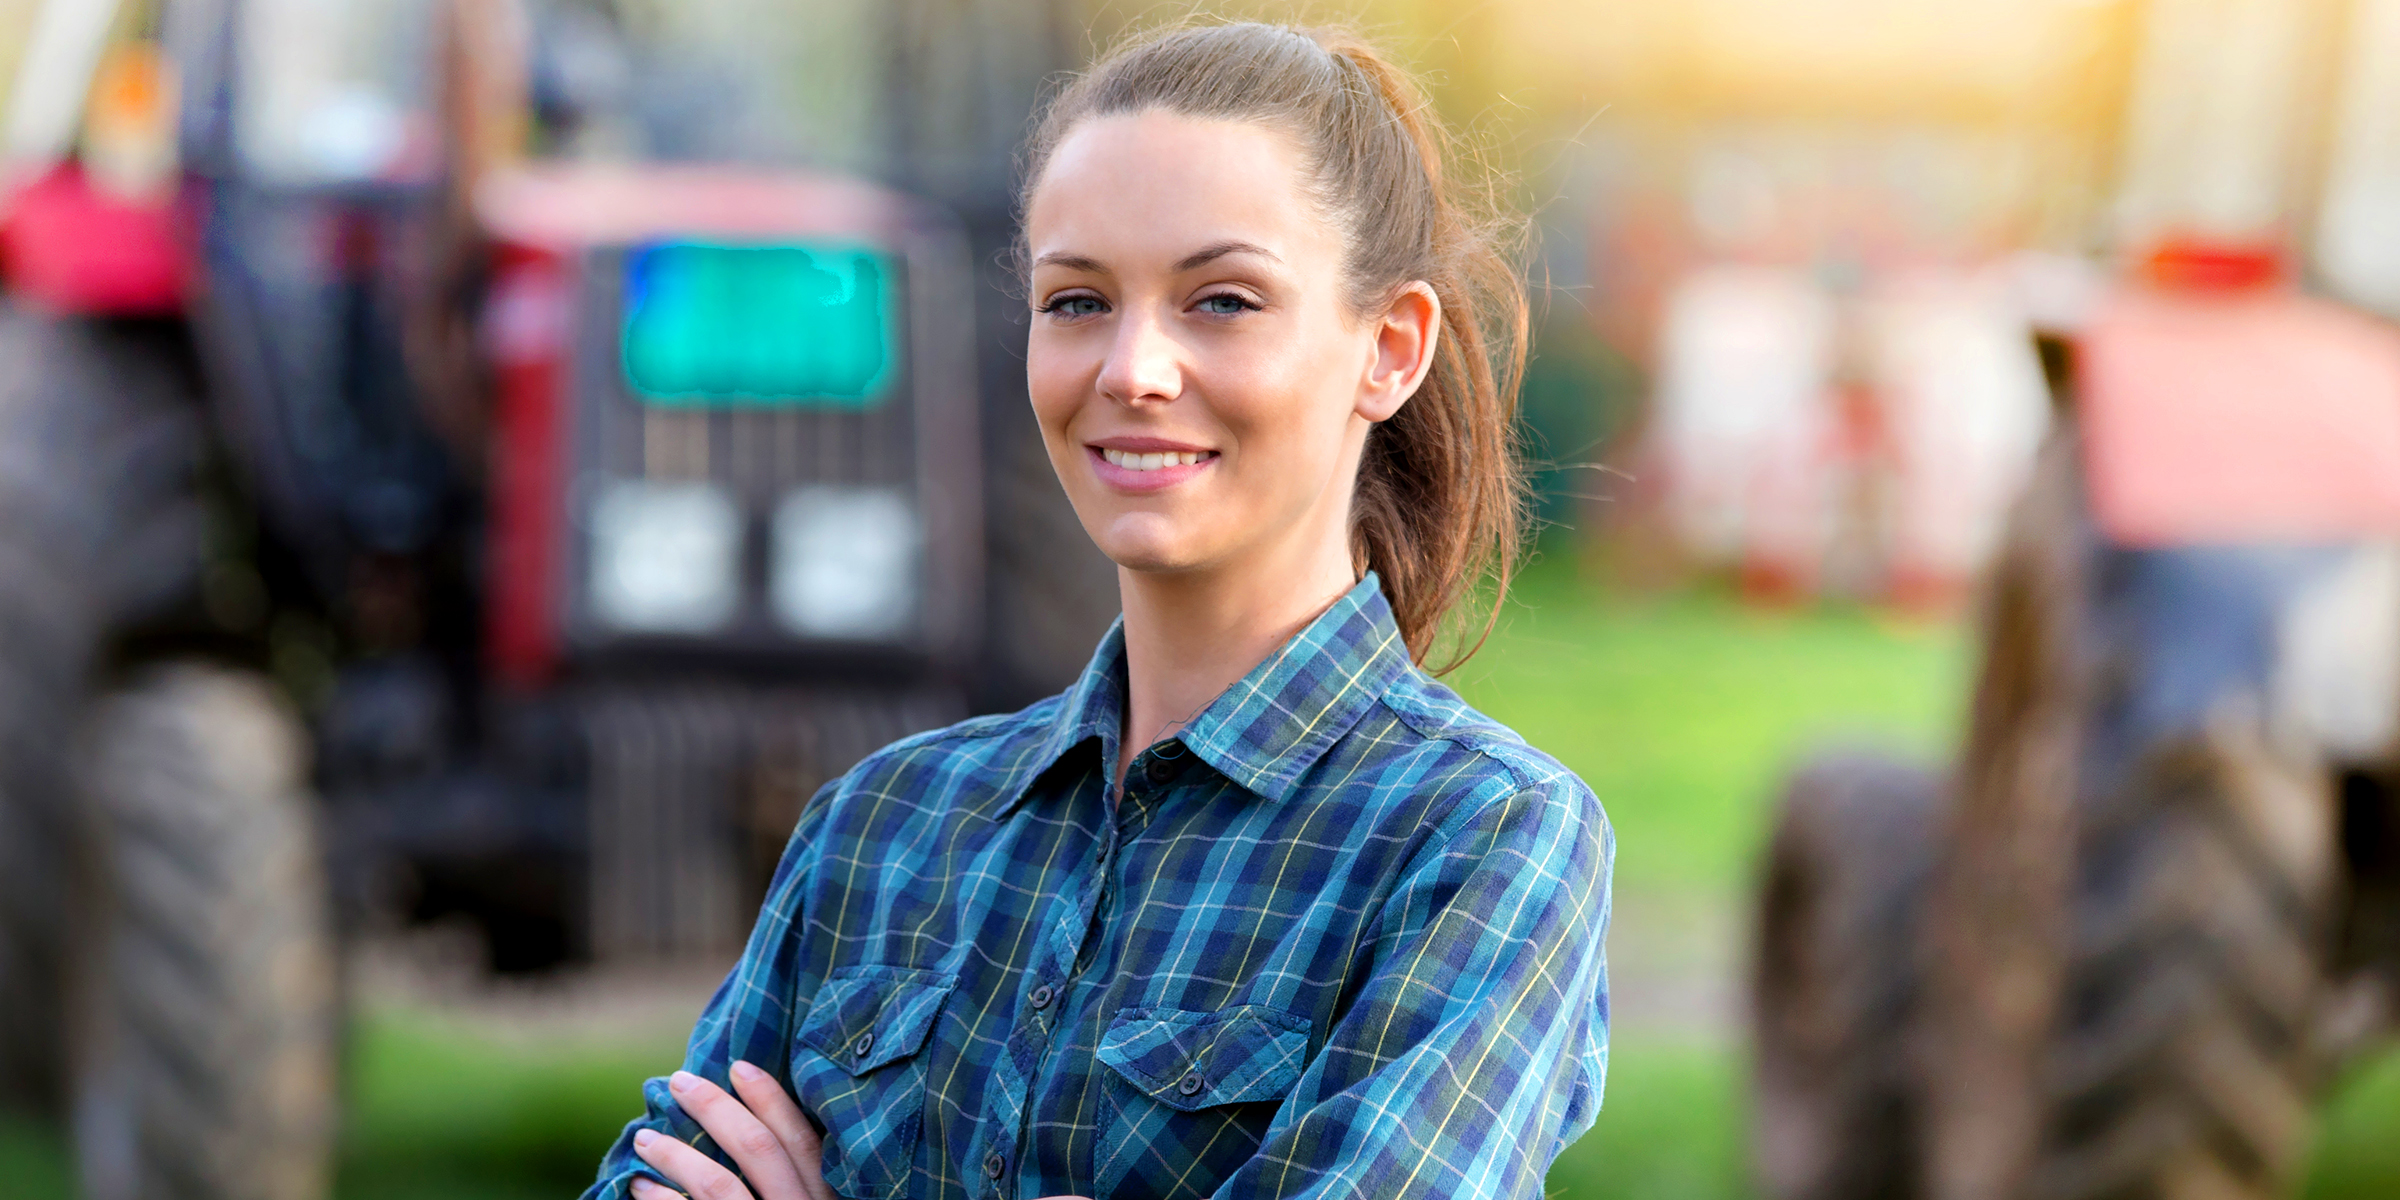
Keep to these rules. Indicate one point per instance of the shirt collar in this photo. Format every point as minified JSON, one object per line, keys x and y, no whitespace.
{"x":1267,"y":730}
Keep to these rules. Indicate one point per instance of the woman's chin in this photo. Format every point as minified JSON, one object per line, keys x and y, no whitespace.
{"x":1143,"y":542}
{"x":1151,"y":560}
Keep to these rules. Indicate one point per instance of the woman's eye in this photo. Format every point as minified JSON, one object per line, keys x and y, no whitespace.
{"x":1075,"y":306}
{"x":1225,"y":304}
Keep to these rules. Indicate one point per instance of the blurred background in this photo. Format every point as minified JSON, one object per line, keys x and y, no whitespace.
{"x":471,"y":469}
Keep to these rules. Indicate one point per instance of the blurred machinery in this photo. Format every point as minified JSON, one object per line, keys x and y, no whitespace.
{"x":2123,"y":946}
{"x":562,"y":523}
{"x":1859,"y":441}
{"x":1802,"y":227}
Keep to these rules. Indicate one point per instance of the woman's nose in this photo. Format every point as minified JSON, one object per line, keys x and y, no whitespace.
{"x":1144,"y":364}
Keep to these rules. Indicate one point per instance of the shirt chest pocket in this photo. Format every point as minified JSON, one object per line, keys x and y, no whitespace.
{"x":1187,"y":1096}
{"x":857,"y":1067}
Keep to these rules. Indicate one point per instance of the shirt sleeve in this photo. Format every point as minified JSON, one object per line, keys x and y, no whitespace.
{"x":749,"y":1019}
{"x":1478,"y":1045}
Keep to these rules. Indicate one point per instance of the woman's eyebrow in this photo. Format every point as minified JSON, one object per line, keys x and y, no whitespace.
{"x":1072,"y":262}
{"x":1216,"y":250}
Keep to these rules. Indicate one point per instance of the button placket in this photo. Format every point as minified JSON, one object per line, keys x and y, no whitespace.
{"x":1051,"y":968}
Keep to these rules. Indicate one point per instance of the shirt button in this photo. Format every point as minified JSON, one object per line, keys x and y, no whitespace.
{"x":1191,"y":1083}
{"x":1041,"y":996}
{"x":1158,"y":769}
{"x":993,"y":1165}
{"x":865,"y":1042}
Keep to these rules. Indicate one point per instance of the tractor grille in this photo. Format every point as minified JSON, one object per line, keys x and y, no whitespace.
{"x":909,"y":457}
{"x":696,"y":788}
{"x":758,"y":453}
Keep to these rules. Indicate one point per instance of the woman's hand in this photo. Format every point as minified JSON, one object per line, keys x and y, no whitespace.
{"x":763,"y":1131}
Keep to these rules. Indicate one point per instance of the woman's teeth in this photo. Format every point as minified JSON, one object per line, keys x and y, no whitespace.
{"x":1152,"y":462}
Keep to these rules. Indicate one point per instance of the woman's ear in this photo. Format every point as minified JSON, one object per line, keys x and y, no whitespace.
{"x":1405,"y":338}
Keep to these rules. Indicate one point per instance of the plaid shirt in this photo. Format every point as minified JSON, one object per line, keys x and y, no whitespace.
{"x":1340,"y":936}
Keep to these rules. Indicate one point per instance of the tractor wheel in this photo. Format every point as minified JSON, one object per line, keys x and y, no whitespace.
{"x":206,"y":1002}
{"x":2183,"y":1061}
{"x":2123,"y":976}
{"x":1834,"y":980}
{"x":98,"y":526}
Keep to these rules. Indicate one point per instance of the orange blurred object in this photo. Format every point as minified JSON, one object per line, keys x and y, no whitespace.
{"x":2202,"y":264}
{"x":129,"y":126}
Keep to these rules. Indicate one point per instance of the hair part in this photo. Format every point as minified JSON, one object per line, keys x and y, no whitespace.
{"x":1438,"y":508}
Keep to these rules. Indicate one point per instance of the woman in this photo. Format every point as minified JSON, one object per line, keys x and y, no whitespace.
{"x":1257,"y":908}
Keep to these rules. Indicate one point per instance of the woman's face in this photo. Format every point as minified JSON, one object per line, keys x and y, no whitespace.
{"x":1203,"y":389}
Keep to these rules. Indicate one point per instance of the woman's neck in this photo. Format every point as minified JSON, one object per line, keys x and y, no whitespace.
{"x":1191,"y":635}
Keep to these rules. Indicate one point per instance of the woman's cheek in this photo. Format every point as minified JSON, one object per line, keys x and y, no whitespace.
{"x":1051,"y":383}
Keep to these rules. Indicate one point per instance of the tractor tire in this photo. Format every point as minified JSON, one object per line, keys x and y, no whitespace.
{"x":99,"y":526}
{"x":2183,"y":1063}
{"x":2123,"y":973}
{"x":207,"y":1007}
{"x":1834,"y":980}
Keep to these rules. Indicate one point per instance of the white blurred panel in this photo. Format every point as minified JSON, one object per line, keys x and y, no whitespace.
{"x":1962,"y":390}
{"x":332,"y":91}
{"x":2337,"y":682}
{"x":2358,"y":230}
{"x":846,"y":562}
{"x":1741,"y":412}
{"x":2211,"y":138}
{"x":45,"y":104}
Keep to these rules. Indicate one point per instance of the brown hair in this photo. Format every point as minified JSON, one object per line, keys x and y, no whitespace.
{"x":1438,"y":506}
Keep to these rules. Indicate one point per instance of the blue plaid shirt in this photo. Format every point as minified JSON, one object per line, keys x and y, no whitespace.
{"x":1340,"y":936}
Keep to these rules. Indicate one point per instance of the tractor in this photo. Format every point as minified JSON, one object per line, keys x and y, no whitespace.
{"x":2124,"y":945}
{"x":437,"y":484}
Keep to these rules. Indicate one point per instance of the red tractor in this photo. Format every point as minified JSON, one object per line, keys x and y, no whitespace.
{"x":393,"y":529}
{"x":2123,"y":945}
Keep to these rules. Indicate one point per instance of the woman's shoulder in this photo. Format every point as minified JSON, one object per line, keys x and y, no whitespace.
{"x":1487,"y":757}
{"x":975,"y":757}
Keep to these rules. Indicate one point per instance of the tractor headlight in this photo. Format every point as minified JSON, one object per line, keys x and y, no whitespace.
{"x":666,"y":557}
{"x":846,"y":562}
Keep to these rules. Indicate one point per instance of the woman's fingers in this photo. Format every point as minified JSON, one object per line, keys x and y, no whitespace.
{"x":696,"y":1173}
{"x":751,"y":1145}
{"x":775,"y":1108}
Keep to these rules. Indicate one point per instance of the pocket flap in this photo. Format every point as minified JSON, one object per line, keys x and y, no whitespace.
{"x":866,"y":1017}
{"x":1190,"y":1061}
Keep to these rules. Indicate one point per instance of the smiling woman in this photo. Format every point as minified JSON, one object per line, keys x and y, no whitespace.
{"x":1258,"y":908}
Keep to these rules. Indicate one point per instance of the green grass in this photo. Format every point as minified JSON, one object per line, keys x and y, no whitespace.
{"x":2358,"y":1145}
{"x":1681,"y":713}
{"x":33,"y":1159}
{"x":1672,"y":1129}
{"x":438,"y":1111}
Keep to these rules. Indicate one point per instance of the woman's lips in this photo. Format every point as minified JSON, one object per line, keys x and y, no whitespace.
{"x":1147,"y":470}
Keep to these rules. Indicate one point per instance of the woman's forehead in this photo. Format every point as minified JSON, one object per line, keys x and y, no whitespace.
{"x":1156,"y":189}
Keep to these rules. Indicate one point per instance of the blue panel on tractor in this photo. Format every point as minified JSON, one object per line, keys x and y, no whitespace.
{"x":778,"y":326}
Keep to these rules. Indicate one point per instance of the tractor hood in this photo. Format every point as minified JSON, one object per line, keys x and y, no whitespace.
{"x":560,"y":208}
{"x":2258,"y":416}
